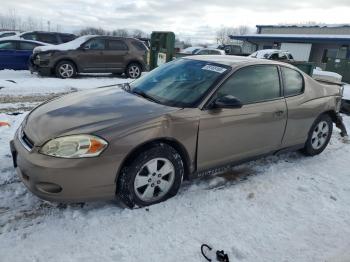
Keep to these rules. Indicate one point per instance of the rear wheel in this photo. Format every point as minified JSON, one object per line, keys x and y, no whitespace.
{"x":134,"y":70}
{"x":154,"y":176}
{"x":319,"y":136}
{"x":65,"y":69}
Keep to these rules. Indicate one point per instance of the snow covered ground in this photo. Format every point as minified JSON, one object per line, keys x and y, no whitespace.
{"x":279,"y":208}
{"x":23,"y":83}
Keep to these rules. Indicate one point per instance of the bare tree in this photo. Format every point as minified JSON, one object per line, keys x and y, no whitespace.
{"x":120,"y":33}
{"x":138,"y":33}
{"x":243,"y":30}
{"x":93,"y":31}
{"x":224,"y":33}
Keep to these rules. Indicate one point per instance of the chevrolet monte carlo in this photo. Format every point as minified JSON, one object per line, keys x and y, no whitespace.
{"x":138,"y":141}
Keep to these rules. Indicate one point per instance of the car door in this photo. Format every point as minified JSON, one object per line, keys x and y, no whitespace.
{"x":116,"y":54}
{"x":302,"y":110}
{"x":229,"y":135}
{"x":91,"y":57}
{"x":8,"y":55}
{"x":23,"y":53}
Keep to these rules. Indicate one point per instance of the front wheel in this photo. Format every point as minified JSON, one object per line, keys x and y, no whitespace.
{"x":319,"y":136}
{"x":65,"y":69}
{"x":154,"y":176}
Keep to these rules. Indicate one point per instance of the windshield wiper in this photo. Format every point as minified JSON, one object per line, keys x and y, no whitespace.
{"x":144,"y":95}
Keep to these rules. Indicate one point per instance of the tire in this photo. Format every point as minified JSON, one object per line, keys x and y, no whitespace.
{"x":65,"y":69}
{"x":319,"y":136}
{"x":133,"y":70}
{"x":155,"y":175}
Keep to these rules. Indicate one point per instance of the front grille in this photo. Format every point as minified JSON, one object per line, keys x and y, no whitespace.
{"x":26,"y":141}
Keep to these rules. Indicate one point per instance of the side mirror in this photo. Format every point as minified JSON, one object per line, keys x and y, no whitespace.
{"x":83,"y":47}
{"x":227,"y":101}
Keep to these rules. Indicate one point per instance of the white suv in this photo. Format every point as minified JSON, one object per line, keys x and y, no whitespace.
{"x":273,"y":54}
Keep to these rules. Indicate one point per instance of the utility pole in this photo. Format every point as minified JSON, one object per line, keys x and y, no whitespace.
{"x":48,"y":25}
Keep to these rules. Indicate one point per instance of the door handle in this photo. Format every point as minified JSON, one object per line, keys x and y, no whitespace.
{"x":279,"y":113}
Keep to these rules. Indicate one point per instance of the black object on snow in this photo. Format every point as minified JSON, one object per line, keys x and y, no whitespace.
{"x":220,"y":254}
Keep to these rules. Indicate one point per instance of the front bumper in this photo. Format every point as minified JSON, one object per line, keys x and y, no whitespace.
{"x":64,"y":180}
{"x":40,"y":66}
{"x":345,"y":107}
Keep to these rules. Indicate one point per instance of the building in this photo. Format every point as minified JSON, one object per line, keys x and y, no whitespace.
{"x":313,"y":43}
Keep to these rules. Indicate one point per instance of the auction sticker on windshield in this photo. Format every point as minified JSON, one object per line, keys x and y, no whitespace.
{"x":213,"y":68}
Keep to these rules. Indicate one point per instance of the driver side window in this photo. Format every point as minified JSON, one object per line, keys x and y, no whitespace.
{"x":96,"y":44}
{"x":252,"y":84}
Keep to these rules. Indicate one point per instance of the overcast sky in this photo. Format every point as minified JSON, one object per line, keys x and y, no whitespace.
{"x":187,"y":18}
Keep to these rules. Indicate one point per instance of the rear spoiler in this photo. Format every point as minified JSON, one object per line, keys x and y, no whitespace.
{"x":329,"y":82}
{"x":329,"y":78}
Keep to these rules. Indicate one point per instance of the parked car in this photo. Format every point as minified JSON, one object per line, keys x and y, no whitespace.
{"x":45,"y":37}
{"x":345,"y":108}
{"x":191,"y":50}
{"x":15,"y":54}
{"x":209,"y":51}
{"x":334,"y":78}
{"x":273,"y":54}
{"x":231,"y":49}
{"x":92,"y":54}
{"x":7,"y":33}
{"x":191,"y":117}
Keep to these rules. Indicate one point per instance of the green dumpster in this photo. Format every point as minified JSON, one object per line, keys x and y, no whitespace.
{"x":162,"y":48}
{"x":307,"y":67}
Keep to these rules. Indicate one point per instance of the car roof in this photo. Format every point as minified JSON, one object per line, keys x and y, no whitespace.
{"x":5,"y":39}
{"x":46,"y":32}
{"x":234,"y":61}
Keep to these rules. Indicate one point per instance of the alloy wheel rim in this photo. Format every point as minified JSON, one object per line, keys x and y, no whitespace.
{"x":66,"y":70}
{"x":154,"y":179}
{"x":320,"y":135}
{"x":134,"y":71}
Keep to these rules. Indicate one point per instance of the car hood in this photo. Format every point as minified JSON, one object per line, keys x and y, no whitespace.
{"x":89,"y":112}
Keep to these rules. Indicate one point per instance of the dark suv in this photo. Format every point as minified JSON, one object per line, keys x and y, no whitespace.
{"x":48,"y":37}
{"x":92,"y":54}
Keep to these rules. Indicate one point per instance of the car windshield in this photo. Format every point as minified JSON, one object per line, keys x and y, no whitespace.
{"x":180,"y":83}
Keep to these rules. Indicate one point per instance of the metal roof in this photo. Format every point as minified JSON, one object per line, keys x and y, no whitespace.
{"x":298,"y":38}
{"x":305,"y":25}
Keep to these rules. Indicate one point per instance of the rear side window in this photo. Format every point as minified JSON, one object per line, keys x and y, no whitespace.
{"x":139,"y":45}
{"x":27,"y":46}
{"x":274,"y":56}
{"x":203,"y":52}
{"x":214,"y":52}
{"x":253,"y":84}
{"x":7,"y":46}
{"x":96,"y":44}
{"x":117,"y":45}
{"x":293,"y":82}
{"x":29,"y":36}
{"x":7,"y":34}
{"x":47,"y":38}
{"x":66,"y":38}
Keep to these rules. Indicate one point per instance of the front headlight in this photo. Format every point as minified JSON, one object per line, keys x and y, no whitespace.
{"x":74,"y":146}
{"x":341,"y":91}
{"x":44,"y":56}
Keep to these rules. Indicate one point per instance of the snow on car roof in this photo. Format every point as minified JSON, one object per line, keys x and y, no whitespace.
{"x":74,"y":44}
{"x":262,"y":53}
{"x":190,"y":49}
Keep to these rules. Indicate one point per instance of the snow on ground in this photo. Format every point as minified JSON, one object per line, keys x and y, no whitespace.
{"x":280,"y":208}
{"x":32,"y":84}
